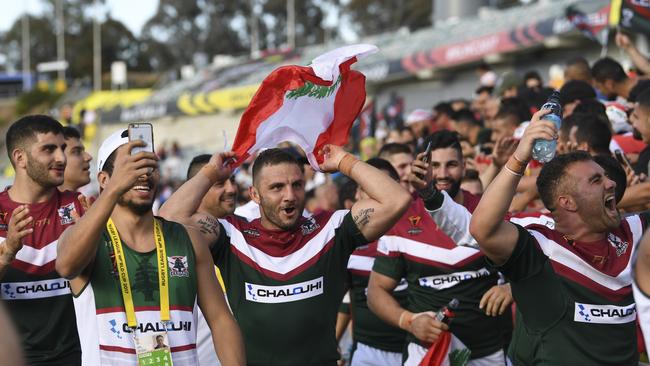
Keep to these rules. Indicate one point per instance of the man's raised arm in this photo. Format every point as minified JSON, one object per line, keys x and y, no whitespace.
{"x":496,"y":237}
{"x":387,"y":202}
{"x":182,"y":206}
{"x":78,"y":243}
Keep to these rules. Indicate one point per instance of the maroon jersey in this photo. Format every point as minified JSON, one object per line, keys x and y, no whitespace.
{"x":37,"y":298}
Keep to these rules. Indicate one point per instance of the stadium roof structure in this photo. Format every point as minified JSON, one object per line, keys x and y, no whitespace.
{"x":402,"y":55}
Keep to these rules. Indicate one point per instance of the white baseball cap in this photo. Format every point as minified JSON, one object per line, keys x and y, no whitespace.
{"x":115,"y":140}
{"x":417,"y":116}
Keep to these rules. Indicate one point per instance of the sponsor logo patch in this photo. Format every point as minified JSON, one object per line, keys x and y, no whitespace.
{"x":35,"y":289}
{"x":287,"y":293}
{"x":178,"y":266}
{"x":114,"y":329}
{"x":451,"y":279}
{"x":604,"y":314}
{"x":65,"y":213}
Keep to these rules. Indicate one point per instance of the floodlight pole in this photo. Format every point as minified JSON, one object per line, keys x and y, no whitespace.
{"x":97,"y":50}
{"x":291,"y":23}
{"x":60,"y":41}
{"x":27,"y":80}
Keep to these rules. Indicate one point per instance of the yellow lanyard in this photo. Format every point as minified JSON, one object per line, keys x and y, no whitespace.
{"x":125,"y":285}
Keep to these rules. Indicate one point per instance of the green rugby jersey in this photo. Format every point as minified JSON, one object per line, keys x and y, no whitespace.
{"x":285,"y":287}
{"x":106,"y":338}
{"x":367,"y":327}
{"x":437,"y":270}
{"x":574,"y":299}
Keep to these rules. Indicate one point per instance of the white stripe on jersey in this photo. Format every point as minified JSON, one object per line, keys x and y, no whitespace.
{"x":361,"y":263}
{"x":108,"y":329}
{"x":37,"y":257}
{"x":392,"y":243}
{"x":564,"y":256}
{"x":288,"y":263}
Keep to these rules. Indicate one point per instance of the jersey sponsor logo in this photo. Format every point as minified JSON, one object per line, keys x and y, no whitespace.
{"x":604,"y":314}
{"x":35,"y":289}
{"x":171,"y":326}
{"x":309,"y":226}
{"x":618,"y":244}
{"x":65,"y":213}
{"x":178,"y":266}
{"x":114,"y":329}
{"x":280,"y":294}
{"x":451,"y":279}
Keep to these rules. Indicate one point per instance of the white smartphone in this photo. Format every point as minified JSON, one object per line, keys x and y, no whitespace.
{"x":144,"y":132}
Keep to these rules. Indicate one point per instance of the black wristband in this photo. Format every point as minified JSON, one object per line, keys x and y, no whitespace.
{"x":432,"y":197}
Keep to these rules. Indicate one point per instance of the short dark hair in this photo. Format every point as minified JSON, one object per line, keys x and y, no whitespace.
{"x":443,"y":108}
{"x":532,"y":74}
{"x":445,"y":139}
{"x":27,"y":127}
{"x":595,"y":130}
{"x":471,"y":175}
{"x":591,"y":106}
{"x":274,"y":156}
{"x":514,"y":108}
{"x":638,"y":89}
{"x":70,"y":132}
{"x":615,"y":172}
{"x":484,"y":89}
{"x":644,"y":98}
{"x":347,"y":191}
{"x":466,"y":115}
{"x":608,"y":69}
{"x":196,"y":164}
{"x":383,"y":164}
{"x":393,"y":149}
{"x":551,"y":175}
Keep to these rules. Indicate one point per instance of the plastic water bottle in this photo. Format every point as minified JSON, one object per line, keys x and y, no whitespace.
{"x":446,"y":314}
{"x":544,"y":150}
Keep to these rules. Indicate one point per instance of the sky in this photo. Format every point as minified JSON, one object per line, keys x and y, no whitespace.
{"x":133,"y":13}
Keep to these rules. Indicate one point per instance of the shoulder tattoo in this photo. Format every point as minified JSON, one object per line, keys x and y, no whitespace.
{"x":362,"y":218}
{"x":208,"y":225}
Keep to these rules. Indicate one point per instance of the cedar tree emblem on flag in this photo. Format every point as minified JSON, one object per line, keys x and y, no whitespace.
{"x":310,"y":106}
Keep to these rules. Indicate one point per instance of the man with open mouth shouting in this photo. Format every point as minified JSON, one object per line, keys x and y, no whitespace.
{"x":284,"y":273}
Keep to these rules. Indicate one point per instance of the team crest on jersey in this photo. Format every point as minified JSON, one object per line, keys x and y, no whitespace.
{"x":251,"y":232}
{"x":65,"y":213}
{"x":620,"y":245}
{"x":3,"y":225}
{"x":178,"y":266}
{"x":414,"y":220}
{"x":309,"y":226}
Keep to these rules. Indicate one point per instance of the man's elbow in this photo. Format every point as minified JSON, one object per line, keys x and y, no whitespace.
{"x":372,"y":298}
{"x":478,"y":230}
{"x":65,"y":269}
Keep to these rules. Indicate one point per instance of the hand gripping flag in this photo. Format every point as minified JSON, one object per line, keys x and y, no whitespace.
{"x":310,"y":106}
{"x":447,"y":351}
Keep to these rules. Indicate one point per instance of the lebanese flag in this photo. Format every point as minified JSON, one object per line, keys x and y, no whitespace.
{"x":447,"y":351}
{"x":310,"y":106}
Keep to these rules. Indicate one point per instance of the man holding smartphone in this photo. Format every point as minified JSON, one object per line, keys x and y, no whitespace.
{"x":131,"y":291}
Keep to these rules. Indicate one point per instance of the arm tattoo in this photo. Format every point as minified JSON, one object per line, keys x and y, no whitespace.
{"x":209,"y":225}
{"x":363,"y":217}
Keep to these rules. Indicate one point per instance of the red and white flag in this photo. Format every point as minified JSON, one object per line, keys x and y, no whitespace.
{"x":310,"y":106}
